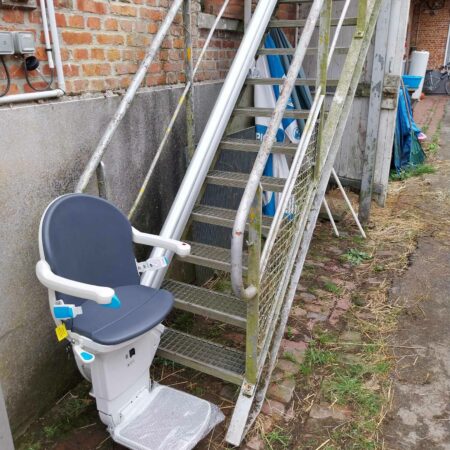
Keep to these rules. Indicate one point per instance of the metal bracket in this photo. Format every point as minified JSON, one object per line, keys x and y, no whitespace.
{"x":390,"y":91}
{"x":248,"y":389}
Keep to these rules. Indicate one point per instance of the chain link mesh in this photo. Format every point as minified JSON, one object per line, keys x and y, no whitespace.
{"x":274,"y":280}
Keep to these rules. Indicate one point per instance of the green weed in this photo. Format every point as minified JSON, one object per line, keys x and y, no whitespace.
{"x":314,"y":357}
{"x":412,"y":171}
{"x":278,"y":438}
{"x":355,"y":256}
{"x":332,"y":287}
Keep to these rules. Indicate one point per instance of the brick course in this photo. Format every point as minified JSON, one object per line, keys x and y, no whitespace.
{"x":102,"y":43}
{"x":429,"y":31}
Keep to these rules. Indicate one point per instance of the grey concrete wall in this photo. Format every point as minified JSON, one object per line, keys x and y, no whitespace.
{"x":43,"y":151}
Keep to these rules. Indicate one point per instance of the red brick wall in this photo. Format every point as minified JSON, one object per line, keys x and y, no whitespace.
{"x":102,"y":43}
{"x":429,"y":31}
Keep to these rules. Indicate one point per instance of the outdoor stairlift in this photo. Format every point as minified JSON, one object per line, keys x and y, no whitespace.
{"x":114,"y":323}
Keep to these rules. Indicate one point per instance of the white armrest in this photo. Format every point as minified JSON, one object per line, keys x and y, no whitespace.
{"x":100,"y":294}
{"x":178,"y":247}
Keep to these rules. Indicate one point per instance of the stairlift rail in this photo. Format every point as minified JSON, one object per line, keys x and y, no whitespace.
{"x":97,"y":156}
{"x":264,"y":152}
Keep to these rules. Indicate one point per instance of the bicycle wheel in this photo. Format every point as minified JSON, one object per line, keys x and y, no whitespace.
{"x":447,"y":86}
{"x":431,"y":82}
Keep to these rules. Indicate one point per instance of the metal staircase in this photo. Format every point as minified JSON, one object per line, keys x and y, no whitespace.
{"x":266,"y":255}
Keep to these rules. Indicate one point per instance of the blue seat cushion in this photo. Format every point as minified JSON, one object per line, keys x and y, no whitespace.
{"x":142,"y":308}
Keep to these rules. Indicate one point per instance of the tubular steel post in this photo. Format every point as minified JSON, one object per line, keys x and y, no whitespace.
{"x":97,"y":156}
{"x":190,"y":125}
{"x":253,"y":276}
{"x":362,"y":16}
{"x":322,"y":69}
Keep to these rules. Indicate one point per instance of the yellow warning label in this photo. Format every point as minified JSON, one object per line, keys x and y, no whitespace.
{"x":61,"y":332}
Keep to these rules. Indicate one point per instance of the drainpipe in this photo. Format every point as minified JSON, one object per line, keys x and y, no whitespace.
{"x":57,"y":63}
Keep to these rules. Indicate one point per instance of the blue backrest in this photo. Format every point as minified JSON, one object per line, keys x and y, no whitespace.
{"x":87,"y":239}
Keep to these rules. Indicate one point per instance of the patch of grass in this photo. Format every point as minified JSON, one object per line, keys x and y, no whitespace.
{"x":332,"y":287}
{"x":413,"y":171}
{"x":316,"y":356}
{"x":277,"y":438}
{"x":378,"y":268}
{"x":289,"y":333}
{"x":290,"y":357}
{"x":346,"y":387}
{"x":183,"y":321}
{"x":355,"y":256}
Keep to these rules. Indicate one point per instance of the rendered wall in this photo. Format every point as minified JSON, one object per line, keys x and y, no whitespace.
{"x":43,"y":151}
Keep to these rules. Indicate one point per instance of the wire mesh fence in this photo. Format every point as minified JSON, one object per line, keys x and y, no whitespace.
{"x":276,"y":275}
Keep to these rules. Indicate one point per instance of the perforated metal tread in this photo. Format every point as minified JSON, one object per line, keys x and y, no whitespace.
{"x":287,"y":23}
{"x":239,"y":180}
{"x":205,"y":356}
{"x":253,"y":145}
{"x":252,"y":111}
{"x":218,"y":258}
{"x":208,"y":303}
{"x":223,"y":217}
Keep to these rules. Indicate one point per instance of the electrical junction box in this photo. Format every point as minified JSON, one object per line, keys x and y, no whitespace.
{"x":6,"y":43}
{"x":23,"y":42}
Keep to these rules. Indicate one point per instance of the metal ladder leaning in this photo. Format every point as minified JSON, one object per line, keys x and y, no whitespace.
{"x":261,"y":303}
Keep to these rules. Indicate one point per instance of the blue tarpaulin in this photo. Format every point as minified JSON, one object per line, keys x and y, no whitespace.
{"x":407,"y":149}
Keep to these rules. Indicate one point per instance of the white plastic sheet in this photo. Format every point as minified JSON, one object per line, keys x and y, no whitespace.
{"x":172,"y":420}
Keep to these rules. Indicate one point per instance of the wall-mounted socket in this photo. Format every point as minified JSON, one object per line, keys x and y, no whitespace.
{"x":23,"y":42}
{"x":6,"y":43}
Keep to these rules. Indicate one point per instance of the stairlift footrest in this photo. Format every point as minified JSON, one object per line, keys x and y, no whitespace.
{"x":166,"y":418}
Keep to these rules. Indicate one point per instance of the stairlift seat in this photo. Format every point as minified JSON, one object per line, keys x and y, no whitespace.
{"x":142,"y":308}
{"x":87,"y":239}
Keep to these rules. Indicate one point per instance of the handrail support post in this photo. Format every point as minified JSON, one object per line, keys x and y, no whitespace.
{"x":253,"y":277}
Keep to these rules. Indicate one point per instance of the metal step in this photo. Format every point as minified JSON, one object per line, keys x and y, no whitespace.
{"x":279,"y":81}
{"x":208,"y":303}
{"x":200,"y":354}
{"x":253,"y":145}
{"x":239,"y":180}
{"x":291,"y":51}
{"x":287,"y":23}
{"x":223,"y":217}
{"x":217,"y":258}
{"x":251,"y":111}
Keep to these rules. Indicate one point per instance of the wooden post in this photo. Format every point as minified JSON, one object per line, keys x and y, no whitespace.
{"x":322,"y":71}
{"x":188,"y":59}
{"x":362,"y":18}
{"x":253,"y":275}
{"x":373,"y":120}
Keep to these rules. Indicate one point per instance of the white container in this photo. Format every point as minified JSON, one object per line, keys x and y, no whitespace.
{"x":418,"y":66}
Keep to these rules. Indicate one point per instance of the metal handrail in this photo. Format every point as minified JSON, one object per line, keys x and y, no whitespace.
{"x":237,"y":242}
{"x":97,"y":156}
